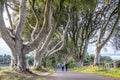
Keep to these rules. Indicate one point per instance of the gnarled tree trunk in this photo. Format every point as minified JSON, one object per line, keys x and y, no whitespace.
{"x":14,"y":41}
{"x":37,"y":60}
{"x":80,"y":63}
{"x":13,"y":60}
{"x":103,"y":38}
{"x":97,"y":56}
{"x":21,"y":62}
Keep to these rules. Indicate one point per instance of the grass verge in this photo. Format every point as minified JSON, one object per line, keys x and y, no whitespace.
{"x":12,"y":75}
{"x":41,"y":79}
{"x":101,"y":71}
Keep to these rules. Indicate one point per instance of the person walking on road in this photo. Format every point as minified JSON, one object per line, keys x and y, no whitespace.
{"x":62,"y":67}
{"x":66,"y":66}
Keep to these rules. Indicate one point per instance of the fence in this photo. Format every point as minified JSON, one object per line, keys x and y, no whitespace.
{"x":103,"y":65}
{"x":2,"y":64}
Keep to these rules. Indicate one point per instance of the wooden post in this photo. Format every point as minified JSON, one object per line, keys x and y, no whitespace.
{"x":116,"y":64}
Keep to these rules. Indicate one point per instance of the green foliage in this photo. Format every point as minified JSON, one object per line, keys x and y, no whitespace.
{"x":71,"y":63}
{"x":30,"y":60}
{"x":52,"y":62}
{"x":101,"y":71}
{"x":56,"y":5}
{"x":105,"y":59}
{"x":38,"y":6}
{"x":90,"y":58}
{"x":80,"y":5}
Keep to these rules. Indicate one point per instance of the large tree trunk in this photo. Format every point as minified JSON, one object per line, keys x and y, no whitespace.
{"x":18,"y":61}
{"x":79,"y":57}
{"x":80,"y":63}
{"x":97,"y":56}
{"x":21,"y":54}
{"x":15,"y":43}
{"x":101,"y":39}
{"x":37,"y":60}
{"x":47,"y":23}
{"x":97,"y":59}
{"x":21,"y":63}
{"x":13,"y":61}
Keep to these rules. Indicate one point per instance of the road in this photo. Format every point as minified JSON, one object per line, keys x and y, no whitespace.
{"x":59,"y":75}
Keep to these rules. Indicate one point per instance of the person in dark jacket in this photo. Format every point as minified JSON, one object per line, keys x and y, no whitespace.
{"x":62,"y":67}
{"x":66,"y":66}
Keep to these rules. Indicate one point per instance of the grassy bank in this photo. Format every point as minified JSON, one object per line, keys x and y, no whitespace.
{"x":7,"y":74}
{"x":13,"y":75}
{"x":101,"y":71}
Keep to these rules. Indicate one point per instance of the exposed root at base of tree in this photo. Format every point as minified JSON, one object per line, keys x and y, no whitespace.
{"x":27,"y":71}
{"x":41,"y":69}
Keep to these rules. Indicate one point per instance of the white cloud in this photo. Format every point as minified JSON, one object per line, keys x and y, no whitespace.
{"x":4,"y":49}
{"x":116,"y":57}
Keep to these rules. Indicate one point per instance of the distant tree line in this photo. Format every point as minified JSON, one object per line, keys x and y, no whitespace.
{"x":89,"y":59}
{"x":53,"y":61}
{"x":5,"y":59}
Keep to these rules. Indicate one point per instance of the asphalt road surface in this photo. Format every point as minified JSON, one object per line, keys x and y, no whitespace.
{"x":59,"y":75}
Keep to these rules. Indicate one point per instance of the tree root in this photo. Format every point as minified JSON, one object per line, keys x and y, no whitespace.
{"x":41,"y":69}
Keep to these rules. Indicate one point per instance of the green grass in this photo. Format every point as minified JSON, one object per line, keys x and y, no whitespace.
{"x":41,"y":79}
{"x":50,"y":71}
{"x":12,"y":75}
{"x":101,"y":71}
{"x":6,"y":74}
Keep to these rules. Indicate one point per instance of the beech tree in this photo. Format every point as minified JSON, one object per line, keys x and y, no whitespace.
{"x":73,"y":21}
{"x":42,"y":49}
{"x":109,"y":20}
{"x":80,"y":31}
{"x":13,"y":36}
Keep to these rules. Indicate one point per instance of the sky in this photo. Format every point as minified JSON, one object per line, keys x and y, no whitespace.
{"x":4,"y":49}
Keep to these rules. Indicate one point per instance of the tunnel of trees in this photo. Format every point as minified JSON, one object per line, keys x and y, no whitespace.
{"x":56,"y":31}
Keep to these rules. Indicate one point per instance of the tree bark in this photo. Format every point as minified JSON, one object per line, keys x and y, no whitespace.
{"x":13,"y":62}
{"x":101,"y":42}
{"x":37,"y":60}
{"x":45,"y":28}
{"x":21,"y":66}
{"x":80,"y":63}
{"x":97,"y":56}
{"x":15,"y":43}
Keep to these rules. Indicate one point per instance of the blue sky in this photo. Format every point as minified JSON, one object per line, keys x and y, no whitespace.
{"x":106,"y":51}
